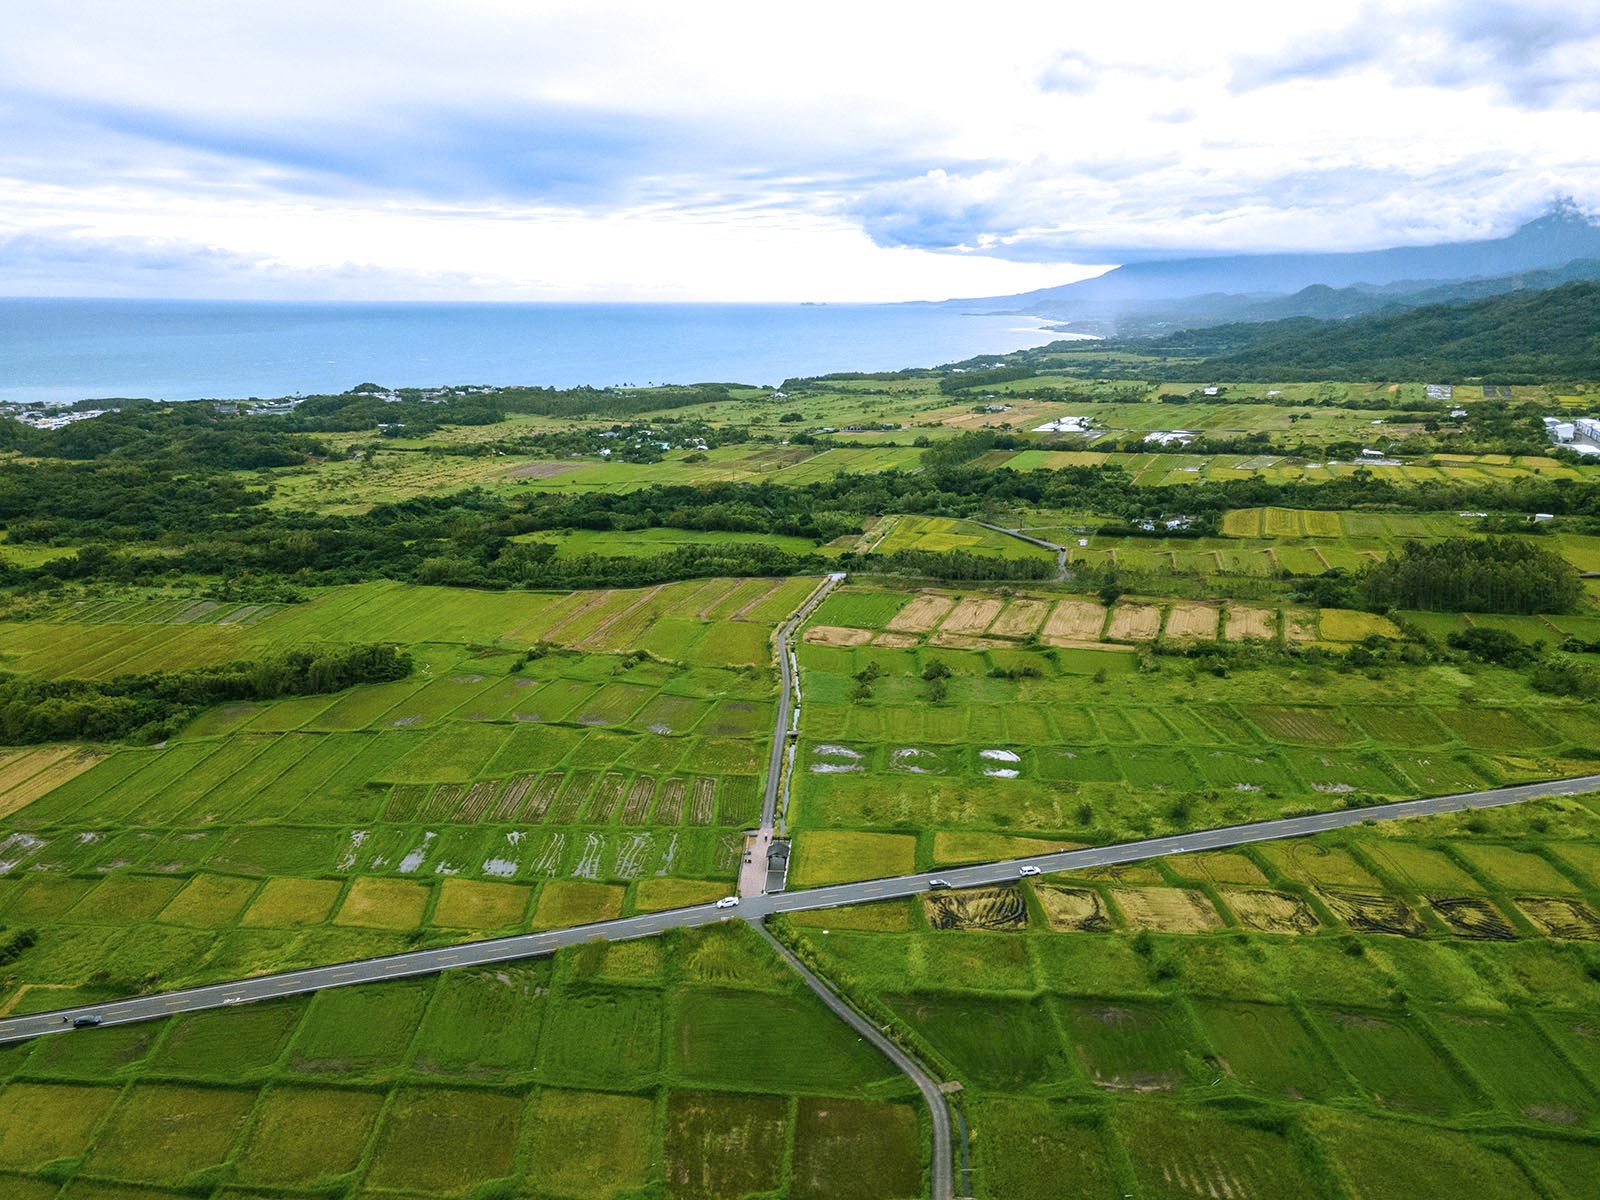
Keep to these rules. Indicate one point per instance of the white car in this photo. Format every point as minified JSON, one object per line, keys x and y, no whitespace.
{"x":728,"y":902}
{"x":1030,"y":871}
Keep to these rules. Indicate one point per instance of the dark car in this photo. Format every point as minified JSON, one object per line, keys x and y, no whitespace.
{"x":86,"y":1022}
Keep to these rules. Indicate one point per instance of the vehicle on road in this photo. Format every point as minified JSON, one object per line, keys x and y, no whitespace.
{"x":1030,"y":871}
{"x":86,"y":1022}
{"x":935,"y":885}
{"x":728,"y":902}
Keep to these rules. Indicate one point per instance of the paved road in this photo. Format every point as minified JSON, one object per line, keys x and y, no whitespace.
{"x":753,"y":873}
{"x":938,"y":1112}
{"x":1061,"y":551}
{"x":529,"y":945}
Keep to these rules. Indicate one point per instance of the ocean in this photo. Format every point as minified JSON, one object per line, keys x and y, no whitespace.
{"x":61,"y":351}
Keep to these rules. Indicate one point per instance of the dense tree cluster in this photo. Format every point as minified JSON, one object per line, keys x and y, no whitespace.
{"x":1521,"y":337}
{"x":150,"y":707}
{"x":1494,"y":574}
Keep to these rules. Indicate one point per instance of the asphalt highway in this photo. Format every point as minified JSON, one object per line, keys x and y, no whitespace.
{"x":530,"y":945}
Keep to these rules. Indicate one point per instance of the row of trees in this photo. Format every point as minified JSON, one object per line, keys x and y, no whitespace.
{"x":151,"y":707}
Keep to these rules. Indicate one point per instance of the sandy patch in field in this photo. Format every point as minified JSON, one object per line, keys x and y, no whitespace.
{"x":1135,"y":622}
{"x":1270,"y":912}
{"x":1020,"y":618}
{"x":1245,"y":622}
{"x":1167,"y":910}
{"x":963,"y":641}
{"x":896,"y":641}
{"x":1075,"y":621}
{"x":1074,"y":910}
{"x":1299,"y":625}
{"x":971,"y":616}
{"x":1193,"y":621}
{"x":543,"y":470}
{"x":837,"y":635}
{"x":921,"y":615}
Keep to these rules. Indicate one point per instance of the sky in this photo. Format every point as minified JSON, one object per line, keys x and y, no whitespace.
{"x":536,"y":150}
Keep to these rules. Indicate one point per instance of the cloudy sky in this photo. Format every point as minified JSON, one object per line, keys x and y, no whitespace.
{"x":527,"y":149}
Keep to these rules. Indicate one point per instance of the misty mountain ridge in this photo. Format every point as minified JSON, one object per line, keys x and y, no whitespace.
{"x":1153,"y":297}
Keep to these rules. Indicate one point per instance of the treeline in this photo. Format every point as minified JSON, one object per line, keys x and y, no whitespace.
{"x":1522,"y":337}
{"x":1493,"y":574}
{"x":138,"y":524}
{"x":148,"y":708}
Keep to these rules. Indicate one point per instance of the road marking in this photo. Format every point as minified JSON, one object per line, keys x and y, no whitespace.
{"x":343,"y":974}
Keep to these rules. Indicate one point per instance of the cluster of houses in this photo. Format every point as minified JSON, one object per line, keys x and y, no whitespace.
{"x":57,"y":420}
{"x":1581,"y":434}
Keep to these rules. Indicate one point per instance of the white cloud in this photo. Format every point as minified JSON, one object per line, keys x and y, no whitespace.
{"x":717,"y":150}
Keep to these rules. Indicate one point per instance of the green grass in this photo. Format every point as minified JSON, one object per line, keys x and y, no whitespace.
{"x":1394,"y":1064}
{"x":482,"y":1023}
{"x":164,"y":1133}
{"x":358,"y":1030}
{"x":300,"y":1136}
{"x":726,"y":1038}
{"x":439,"y":1141}
{"x":856,"y":1150}
{"x":1178,"y":1155}
{"x":720,"y":1146}
{"x":602,"y":1037}
{"x":589,"y":1145}
{"x":1004,"y":1045}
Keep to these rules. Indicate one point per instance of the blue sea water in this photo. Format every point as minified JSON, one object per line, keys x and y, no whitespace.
{"x":56,"y":350}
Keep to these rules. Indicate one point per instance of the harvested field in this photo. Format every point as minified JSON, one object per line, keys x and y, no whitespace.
{"x":977,"y":908}
{"x":837,"y":635}
{"x":1367,"y":913}
{"x":1135,"y":622}
{"x":702,"y":800}
{"x":921,"y":615}
{"x":607,"y":798}
{"x":1075,"y":621}
{"x":543,"y":470}
{"x":508,"y":801}
{"x":1074,"y":910}
{"x":542,"y":796}
{"x":406,"y":801}
{"x":895,"y":641}
{"x":1167,"y":910}
{"x":971,"y":616}
{"x":1560,"y":917}
{"x":1270,"y":912}
{"x":1193,"y":621}
{"x":669,"y":808}
{"x":636,"y":809}
{"x":1473,"y":917}
{"x":1299,"y":625}
{"x":1246,"y":622}
{"x":1020,"y":618}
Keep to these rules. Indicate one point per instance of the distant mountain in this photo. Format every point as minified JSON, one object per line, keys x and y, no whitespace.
{"x":1328,"y":303}
{"x":1248,"y":287}
{"x":1523,"y":336}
